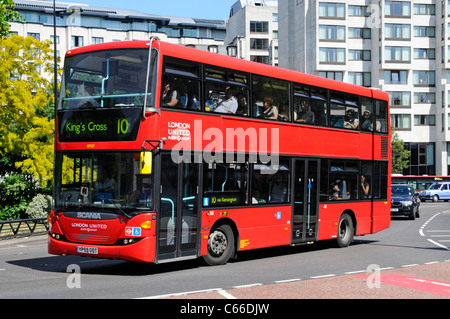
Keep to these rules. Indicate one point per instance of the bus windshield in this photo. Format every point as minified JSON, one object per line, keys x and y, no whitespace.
{"x":108,"y":78}
{"x":110,"y":181}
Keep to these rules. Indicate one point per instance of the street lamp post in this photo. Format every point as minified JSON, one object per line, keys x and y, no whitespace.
{"x":55,"y":60}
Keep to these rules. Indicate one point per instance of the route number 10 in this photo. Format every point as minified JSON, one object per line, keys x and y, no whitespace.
{"x":122,"y":126}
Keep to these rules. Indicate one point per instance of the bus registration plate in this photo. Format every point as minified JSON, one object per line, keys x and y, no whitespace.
{"x":87,"y":250}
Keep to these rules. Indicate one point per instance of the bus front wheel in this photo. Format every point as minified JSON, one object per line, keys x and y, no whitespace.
{"x":220,"y":246}
{"x":345,"y":231}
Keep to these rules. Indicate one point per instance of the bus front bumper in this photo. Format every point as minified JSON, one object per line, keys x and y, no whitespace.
{"x":141,"y":251}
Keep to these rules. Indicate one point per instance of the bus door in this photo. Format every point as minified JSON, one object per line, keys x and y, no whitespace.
{"x":178,"y":221}
{"x":305,"y":200}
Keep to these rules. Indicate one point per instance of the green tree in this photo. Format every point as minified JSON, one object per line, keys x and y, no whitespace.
{"x":400,"y":155}
{"x":7,"y":14}
{"x":26,"y":134}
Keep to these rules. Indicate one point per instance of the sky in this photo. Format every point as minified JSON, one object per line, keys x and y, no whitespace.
{"x":204,"y":9}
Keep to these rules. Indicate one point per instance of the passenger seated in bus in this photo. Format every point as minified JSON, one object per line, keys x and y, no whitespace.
{"x":305,"y":115}
{"x":350,"y":120}
{"x":366,"y":121}
{"x":335,"y":192}
{"x":229,"y":104}
{"x":270,"y":110}
{"x":85,"y":90}
{"x":170,"y":96}
{"x":364,"y":188}
{"x":278,"y":191}
{"x":242,"y":105}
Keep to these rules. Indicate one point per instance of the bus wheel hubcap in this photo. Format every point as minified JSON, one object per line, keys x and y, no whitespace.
{"x":218,"y":242}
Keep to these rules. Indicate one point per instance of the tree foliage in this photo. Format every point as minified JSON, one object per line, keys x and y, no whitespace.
{"x":7,"y":14}
{"x":400,"y":155}
{"x":26,"y":134}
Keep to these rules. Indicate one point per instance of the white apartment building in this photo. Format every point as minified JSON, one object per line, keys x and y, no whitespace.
{"x":79,"y":24}
{"x":402,"y":47}
{"x":253,"y":29}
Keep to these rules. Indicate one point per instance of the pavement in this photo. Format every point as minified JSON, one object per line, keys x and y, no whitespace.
{"x":428,"y":281}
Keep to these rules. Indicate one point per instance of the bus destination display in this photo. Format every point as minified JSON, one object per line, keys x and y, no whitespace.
{"x":117,"y":124}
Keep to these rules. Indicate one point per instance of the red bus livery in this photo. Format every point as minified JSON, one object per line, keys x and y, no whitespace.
{"x":165,"y":152}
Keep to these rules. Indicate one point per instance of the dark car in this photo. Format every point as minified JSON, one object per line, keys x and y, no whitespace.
{"x":404,"y":201}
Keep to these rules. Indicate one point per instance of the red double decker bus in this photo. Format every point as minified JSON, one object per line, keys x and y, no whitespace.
{"x":165,"y":152}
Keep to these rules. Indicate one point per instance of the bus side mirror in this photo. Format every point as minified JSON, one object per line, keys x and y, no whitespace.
{"x":145,"y":163}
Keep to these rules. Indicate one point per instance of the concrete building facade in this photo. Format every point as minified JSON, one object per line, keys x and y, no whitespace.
{"x":401,"y":47}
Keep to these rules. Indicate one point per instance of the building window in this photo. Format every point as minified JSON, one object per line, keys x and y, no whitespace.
{"x":424,"y":78}
{"x":427,"y":9}
{"x":401,"y":121}
{"x":358,"y":11}
{"x":77,"y":41}
{"x":338,"y":76}
{"x":97,"y":40}
{"x":424,"y":31}
{"x":398,"y":54}
{"x":395,"y":77}
{"x":400,"y":99}
{"x":429,"y":54}
{"x":259,"y":26}
{"x":213,"y":48}
{"x":359,"y":55}
{"x":397,"y":31}
{"x":425,"y":97}
{"x":360,"y":78}
{"x":421,"y":161}
{"x":429,"y":120}
{"x":359,"y":33}
{"x":259,"y":44}
{"x":332,"y":55}
{"x":397,"y":8}
{"x":331,"y":10}
{"x":332,"y":32}
{"x":52,"y":38}
{"x":36,"y":36}
{"x":260,"y":59}
{"x":232,"y":51}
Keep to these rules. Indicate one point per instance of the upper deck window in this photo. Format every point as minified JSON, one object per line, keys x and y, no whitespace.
{"x":108,"y":78}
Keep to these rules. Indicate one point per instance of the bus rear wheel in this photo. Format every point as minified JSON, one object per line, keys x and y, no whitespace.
{"x":345,"y":231}
{"x":220,"y":246}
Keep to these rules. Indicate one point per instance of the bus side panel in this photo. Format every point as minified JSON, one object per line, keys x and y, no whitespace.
{"x":257,"y":227}
{"x":381,"y":216}
{"x":330,"y":213}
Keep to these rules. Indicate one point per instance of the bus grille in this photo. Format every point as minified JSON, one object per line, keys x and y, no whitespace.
{"x":384,"y":147}
{"x":89,"y":237}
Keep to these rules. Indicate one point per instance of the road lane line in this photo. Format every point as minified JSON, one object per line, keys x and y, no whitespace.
{"x":437,"y":244}
{"x":355,"y":272}
{"x":247,"y":286}
{"x":287,"y":280}
{"x":178,"y":294}
{"x":226,"y":294}
{"x":323,"y":276}
{"x":410,"y":265}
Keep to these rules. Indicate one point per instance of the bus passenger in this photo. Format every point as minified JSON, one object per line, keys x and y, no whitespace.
{"x":306,"y":115}
{"x":366,"y":121}
{"x":229,"y":104}
{"x":170,"y":96}
{"x":350,"y":120}
{"x":364,"y":188}
{"x":270,"y":110}
{"x":335,"y":195}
